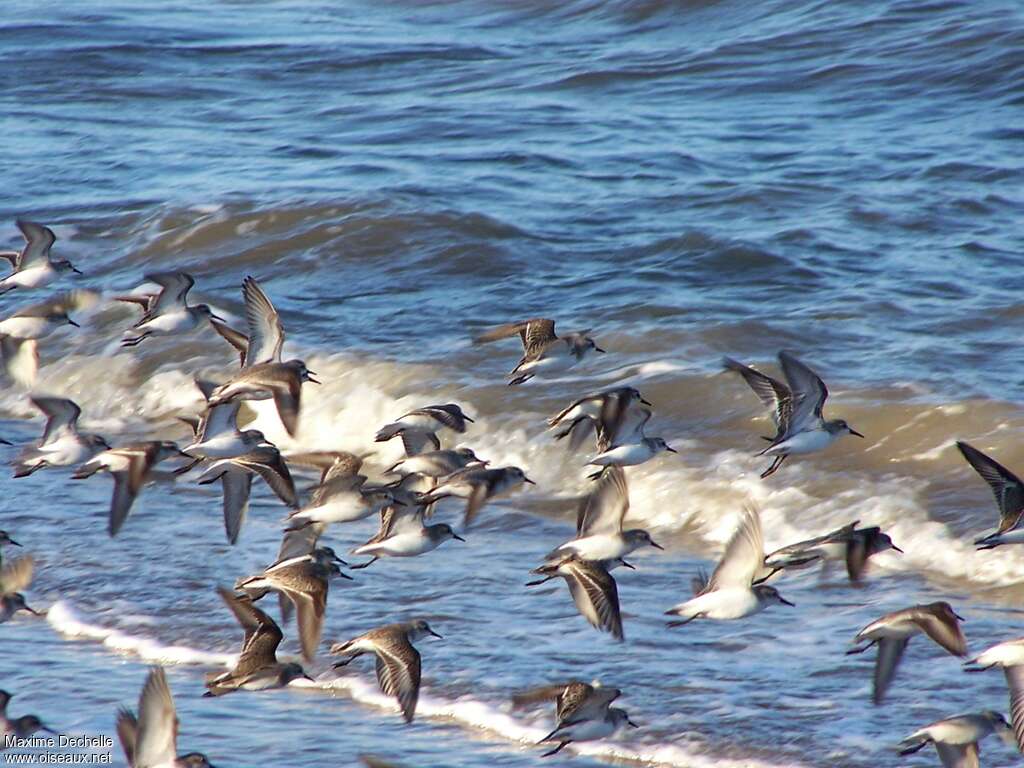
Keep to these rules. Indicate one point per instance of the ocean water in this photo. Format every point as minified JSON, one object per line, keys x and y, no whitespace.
{"x":689,"y":179}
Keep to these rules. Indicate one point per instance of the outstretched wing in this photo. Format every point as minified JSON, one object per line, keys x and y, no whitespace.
{"x":1005,"y":485}
{"x":772,"y":393}
{"x":266,"y":334}
{"x":744,"y":554}
{"x":604,"y":508}
{"x":809,"y":392}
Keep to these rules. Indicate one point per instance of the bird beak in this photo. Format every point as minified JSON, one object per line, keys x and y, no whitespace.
{"x":33,"y":611}
{"x":631,"y":723}
{"x":628,"y":565}
{"x":897,"y":549}
{"x":47,"y":728}
{"x":855,"y":432}
{"x":671,"y":449}
{"x":339,"y":560}
{"x":784,"y":601}
{"x":76,"y":270}
{"x":435,"y":634}
{"x":345,"y":576}
{"x":468,"y":419}
{"x":12,"y":541}
{"x":646,"y":402}
{"x":656,"y":545}
{"x":398,"y":503}
{"x":309,"y":378}
{"x":961,"y":618}
{"x":598,"y":349}
{"x":304,"y":675}
{"x":456,"y":536}
{"x":72,"y":322}
{"x":528,"y":480}
{"x":217,"y":317}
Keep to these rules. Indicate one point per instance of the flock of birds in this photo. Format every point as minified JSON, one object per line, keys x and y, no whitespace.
{"x":405,"y":500}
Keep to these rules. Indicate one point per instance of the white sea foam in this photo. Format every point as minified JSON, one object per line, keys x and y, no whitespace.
{"x":63,"y":617}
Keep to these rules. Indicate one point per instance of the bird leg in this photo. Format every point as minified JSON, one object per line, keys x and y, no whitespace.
{"x":774,"y":466}
{"x":364,"y":565}
{"x":551,"y":752}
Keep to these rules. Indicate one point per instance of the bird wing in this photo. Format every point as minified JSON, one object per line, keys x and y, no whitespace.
{"x":945,"y":631}
{"x":61,"y":416}
{"x":21,"y":359}
{"x":237,"y":485}
{"x":890,"y":652}
{"x":262,"y":635}
{"x":541,"y":694}
{"x":310,"y":605}
{"x":287,"y":395}
{"x":266,"y":334}
{"x":771,"y":392}
{"x":174,"y":289}
{"x":620,"y":422}
{"x":604,"y":508}
{"x":596,"y":596}
{"x":16,"y":575}
{"x":533,"y":333}
{"x":235,"y":338}
{"x":38,"y":241}
{"x":268,"y":464}
{"x":1006,"y":486}
{"x":125,"y":491}
{"x":450,"y":415}
{"x":744,"y":554}
{"x":477,"y":498}
{"x":415,"y":442}
{"x":809,"y":392}
{"x":580,"y":702}
{"x":958,"y":755}
{"x":157,"y":732}
{"x":127,"y":734}
{"x":857,"y":554}
{"x":398,"y":673}
{"x":1015,"y":682}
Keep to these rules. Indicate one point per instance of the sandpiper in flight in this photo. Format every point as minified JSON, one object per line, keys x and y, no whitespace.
{"x":543,"y":350}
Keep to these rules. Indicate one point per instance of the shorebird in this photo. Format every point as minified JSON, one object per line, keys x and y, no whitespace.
{"x":341,"y":497}
{"x":236,"y":475}
{"x":130,"y":466}
{"x":893,"y":631}
{"x":168,"y":312}
{"x":847,"y":544}
{"x":151,"y":741}
{"x":61,"y":445}
{"x":588,"y":729}
{"x":436,"y":463}
{"x":595,"y":413}
{"x":418,"y":429}
{"x":574,"y":700}
{"x":280,"y":381}
{"x":478,"y":485}
{"x":20,"y":332}
{"x":257,"y":668}
{"x":18,"y":727}
{"x":265,"y":335}
{"x":796,"y":409}
{"x":14,"y":577}
{"x":304,"y":581}
{"x":957,"y":738}
{"x":730,"y":593}
{"x":398,"y":662}
{"x":33,"y":265}
{"x":599,"y":529}
{"x":1009,"y":493}
{"x":593,"y":589}
{"x":6,"y":540}
{"x":543,"y":350}
{"x":1010,"y":656}
{"x":630,"y":454}
{"x":403,"y":534}
{"x":216,"y":432}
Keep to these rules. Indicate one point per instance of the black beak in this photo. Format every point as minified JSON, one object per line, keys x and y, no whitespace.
{"x":656,"y":545}
{"x":598,"y":349}
{"x":309,"y":378}
{"x":961,"y":618}
{"x":628,"y":565}
{"x":528,"y":480}
{"x":435,"y":634}
{"x":217,"y":317}
{"x":646,"y":402}
{"x":12,"y":541}
{"x":339,"y":560}
{"x":72,"y":322}
{"x":457,"y":537}
{"x":76,"y":270}
{"x":855,"y":432}
{"x":670,"y":449}
{"x":34,"y":612}
{"x":897,"y":549}
{"x":784,"y":601}
{"x":468,"y":419}
{"x":345,"y":576}
{"x":47,"y":728}
{"x":631,"y":723}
